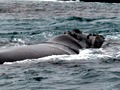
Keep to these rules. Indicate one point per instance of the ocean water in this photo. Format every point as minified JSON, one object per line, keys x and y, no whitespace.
{"x":34,"y":21}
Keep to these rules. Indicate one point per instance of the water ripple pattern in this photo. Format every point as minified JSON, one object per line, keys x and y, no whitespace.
{"x":32,"y":22}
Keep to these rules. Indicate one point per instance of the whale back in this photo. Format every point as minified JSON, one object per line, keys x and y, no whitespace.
{"x":62,"y":44}
{"x":66,"y":40}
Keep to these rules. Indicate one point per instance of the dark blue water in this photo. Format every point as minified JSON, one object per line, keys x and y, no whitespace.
{"x":32,"y":22}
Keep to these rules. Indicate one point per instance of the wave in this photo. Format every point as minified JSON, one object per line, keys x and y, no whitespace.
{"x":81,"y":19}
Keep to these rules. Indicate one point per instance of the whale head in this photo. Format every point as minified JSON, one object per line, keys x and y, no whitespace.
{"x":87,"y":41}
{"x":96,"y":40}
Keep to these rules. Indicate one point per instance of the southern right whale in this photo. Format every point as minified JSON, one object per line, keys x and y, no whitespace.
{"x":68,"y":43}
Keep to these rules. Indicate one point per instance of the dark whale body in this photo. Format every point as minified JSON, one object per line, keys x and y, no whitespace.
{"x":59,"y":45}
{"x":68,"y":43}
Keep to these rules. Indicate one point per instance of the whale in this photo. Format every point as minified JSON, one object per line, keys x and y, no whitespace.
{"x":64,"y":44}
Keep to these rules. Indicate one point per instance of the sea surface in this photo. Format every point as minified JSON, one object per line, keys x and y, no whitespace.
{"x":27,"y":22}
